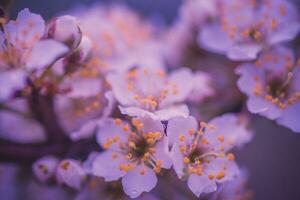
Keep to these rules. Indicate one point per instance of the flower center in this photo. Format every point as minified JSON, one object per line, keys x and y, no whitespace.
{"x":139,"y":148}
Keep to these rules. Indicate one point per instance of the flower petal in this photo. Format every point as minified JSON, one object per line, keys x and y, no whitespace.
{"x":136,"y":112}
{"x":260,"y":106}
{"x":172,"y":111}
{"x":214,"y":39}
{"x":134,"y":183}
{"x":287,"y":32}
{"x":201,"y":184}
{"x":106,"y":166}
{"x":70,"y":172}
{"x":177,"y":159}
{"x":163,"y":154}
{"x":44,"y":53}
{"x":181,"y":125}
{"x":182,"y":90}
{"x":11,"y":81}
{"x":244,"y":52}
{"x":120,"y":90}
{"x":26,"y":30}
{"x":229,"y":131}
{"x":290,"y":117}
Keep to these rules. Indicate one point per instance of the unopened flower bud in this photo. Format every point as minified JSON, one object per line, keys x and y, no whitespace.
{"x":65,"y":29}
{"x":79,"y":56}
{"x":45,"y":167}
{"x":70,"y":173}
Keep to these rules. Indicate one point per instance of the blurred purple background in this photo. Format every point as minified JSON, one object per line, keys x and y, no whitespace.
{"x":273,"y":157}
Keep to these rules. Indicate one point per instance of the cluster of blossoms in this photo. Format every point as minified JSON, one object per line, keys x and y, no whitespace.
{"x":102,"y":102}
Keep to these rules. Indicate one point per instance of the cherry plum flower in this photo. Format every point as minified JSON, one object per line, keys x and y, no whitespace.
{"x":202,"y":154}
{"x":180,"y":38}
{"x":134,"y":153}
{"x":23,"y":49}
{"x":84,"y":107}
{"x":152,"y":92}
{"x":272,"y":85}
{"x":121,"y":39}
{"x":244,"y":28}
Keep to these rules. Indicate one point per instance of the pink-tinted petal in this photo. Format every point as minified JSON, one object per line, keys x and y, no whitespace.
{"x":172,"y":111}
{"x":214,"y":39}
{"x":244,"y":52}
{"x":260,"y":106}
{"x":26,"y":30}
{"x":11,"y":81}
{"x":134,"y":183}
{"x":201,"y":184}
{"x":107,"y":166}
{"x":246,"y":82}
{"x":151,"y":125}
{"x":177,"y":159}
{"x":137,"y":112}
{"x":163,"y":154}
{"x":182,"y":90}
{"x":181,"y":125}
{"x":229,"y":131}
{"x":223,"y":165}
{"x":44,"y":53}
{"x":120,"y":90}
{"x":290,"y":117}
{"x":111,"y":101}
{"x":287,"y":32}
{"x":201,"y":87}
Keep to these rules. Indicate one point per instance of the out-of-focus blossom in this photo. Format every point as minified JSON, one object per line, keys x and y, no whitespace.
{"x":202,"y":154}
{"x":65,"y":29}
{"x":10,"y":82}
{"x":99,"y":189}
{"x":134,"y":153}
{"x":121,"y":40}
{"x":272,"y":85}
{"x":23,"y":50}
{"x":45,"y":168}
{"x":198,"y":12}
{"x":152,"y":92}
{"x":17,"y":125}
{"x":244,"y":28}
{"x":236,"y":189}
{"x":202,"y":87}
{"x":180,"y":38}
{"x":82,"y":109}
{"x":70,"y":173}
